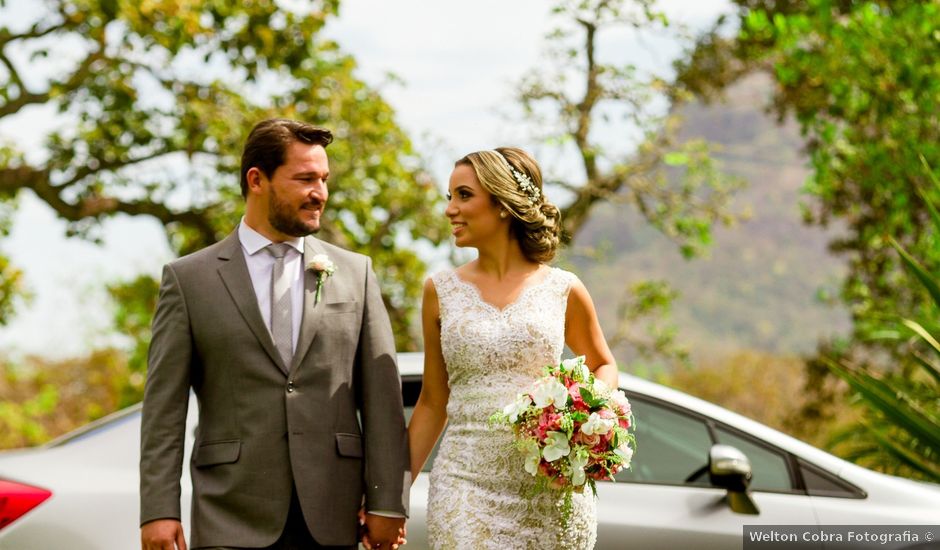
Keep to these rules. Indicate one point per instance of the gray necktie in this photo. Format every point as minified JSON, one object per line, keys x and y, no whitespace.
{"x":281,"y":303}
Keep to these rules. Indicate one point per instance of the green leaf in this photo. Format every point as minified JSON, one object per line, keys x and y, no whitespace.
{"x":935,"y":216}
{"x":676,"y":158}
{"x":901,"y":452}
{"x":891,"y":403}
{"x":925,"y":278}
{"x":922,"y":332}
{"x":589,"y":399}
{"x":931,"y":368}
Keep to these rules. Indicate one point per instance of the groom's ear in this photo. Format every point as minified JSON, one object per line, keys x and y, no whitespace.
{"x":254,"y":177}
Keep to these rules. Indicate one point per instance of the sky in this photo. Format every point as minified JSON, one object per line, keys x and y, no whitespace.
{"x":457,"y":63}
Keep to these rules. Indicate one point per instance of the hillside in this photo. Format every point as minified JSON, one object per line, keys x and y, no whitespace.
{"x":758,"y":287}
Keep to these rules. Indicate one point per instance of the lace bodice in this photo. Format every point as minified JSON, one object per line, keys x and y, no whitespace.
{"x":491,"y":354}
{"x":480,"y":492}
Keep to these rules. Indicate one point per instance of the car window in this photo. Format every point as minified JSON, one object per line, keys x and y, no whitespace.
{"x":671,"y":446}
{"x":410,"y":390}
{"x":820,"y":483}
{"x":769,"y":467}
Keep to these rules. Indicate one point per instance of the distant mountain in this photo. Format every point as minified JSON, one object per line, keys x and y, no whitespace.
{"x":758,"y":287}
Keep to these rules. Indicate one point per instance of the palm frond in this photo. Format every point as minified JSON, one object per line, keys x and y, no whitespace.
{"x":893,"y":404}
{"x":919,"y":271}
{"x":899,"y":450}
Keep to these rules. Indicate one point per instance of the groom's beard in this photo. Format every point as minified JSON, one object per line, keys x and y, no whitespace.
{"x":283,"y":217}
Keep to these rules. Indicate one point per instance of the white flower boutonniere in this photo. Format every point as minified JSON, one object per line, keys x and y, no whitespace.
{"x":323,"y":267}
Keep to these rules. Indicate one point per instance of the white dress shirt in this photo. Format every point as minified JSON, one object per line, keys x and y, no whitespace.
{"x":261,"y":264}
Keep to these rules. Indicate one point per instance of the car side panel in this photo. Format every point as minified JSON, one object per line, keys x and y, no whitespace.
{"x":660,"y":517}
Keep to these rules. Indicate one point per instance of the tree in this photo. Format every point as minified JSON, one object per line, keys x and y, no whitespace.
{"x":903,"y":412}
{"x":861,"y":78}
{"x":154,"y":100}
{"x":576,"y":94}
{"x":575,"y":100}
{"x":11,"y":278}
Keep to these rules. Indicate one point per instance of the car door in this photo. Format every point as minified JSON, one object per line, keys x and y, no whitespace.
{"x":665,"y":500}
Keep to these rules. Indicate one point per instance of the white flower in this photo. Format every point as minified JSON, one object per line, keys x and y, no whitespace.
{"x":532,"y":458}
{"x":578,"y":461}
{"x":585,"y":372}
{"x":600,"y":388}
{"x":517,"y":407}
{"x":625,"y":452}
{"x":620,"y":401}
{"x":549,"y":391}
{"x":577,"y":368}
{"x":323,"y":267}
{"x":321,"y":263}
{"x":556,"y":446}
{"x":596,"y":425}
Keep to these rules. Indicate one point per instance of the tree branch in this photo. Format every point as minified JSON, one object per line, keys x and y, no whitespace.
{"x":586,"y":106}
{"x":603,"y":187}
{"x":14,"y":179}
{"x":97,"y":206}
{"x":36,"y":31}
{"x":86,"y":171}
{"x":74,"y":81}
{"x":14,"y":74}
{"x":26,"y":98}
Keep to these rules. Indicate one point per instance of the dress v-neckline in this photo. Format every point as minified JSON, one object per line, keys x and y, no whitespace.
{"x":475,"y":290}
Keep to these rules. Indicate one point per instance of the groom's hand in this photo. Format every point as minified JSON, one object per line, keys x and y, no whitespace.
{"x":162,"y":534}
{"x":384,"y":532}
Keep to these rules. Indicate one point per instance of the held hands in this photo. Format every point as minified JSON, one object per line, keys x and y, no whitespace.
{"x":381,"y":532}
{"x":162,"y":534}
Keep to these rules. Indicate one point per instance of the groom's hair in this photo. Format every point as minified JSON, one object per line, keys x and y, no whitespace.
{"x":268,"y":142}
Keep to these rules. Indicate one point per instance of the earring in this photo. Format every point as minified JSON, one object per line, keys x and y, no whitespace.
{"x":502,"y":214}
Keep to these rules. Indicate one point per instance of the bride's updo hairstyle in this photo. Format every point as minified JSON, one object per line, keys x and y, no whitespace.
{"x":514,"y":180}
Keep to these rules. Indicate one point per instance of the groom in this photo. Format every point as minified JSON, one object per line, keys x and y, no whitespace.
{"x":285,"y":341}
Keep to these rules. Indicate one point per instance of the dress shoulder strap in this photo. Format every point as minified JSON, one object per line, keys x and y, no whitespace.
{"x":444,"y":282}
{"x":447,"y":287}
{"x":560,"y":281}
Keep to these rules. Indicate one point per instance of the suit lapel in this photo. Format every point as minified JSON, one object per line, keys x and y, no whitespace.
{"x":312,"y":311}
{"x":234,"y":273}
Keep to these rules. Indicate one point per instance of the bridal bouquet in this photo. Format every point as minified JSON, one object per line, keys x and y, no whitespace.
{"x":572,"y":428}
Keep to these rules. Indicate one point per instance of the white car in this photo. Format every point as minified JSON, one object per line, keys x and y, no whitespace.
{"x":688,"y":487}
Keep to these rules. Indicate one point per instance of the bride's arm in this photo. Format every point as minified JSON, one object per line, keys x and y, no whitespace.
{"x":584,"y":336}
{"x":430,"y":414}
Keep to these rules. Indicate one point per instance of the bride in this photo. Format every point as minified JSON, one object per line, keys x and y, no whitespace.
{"x":490,"y":327}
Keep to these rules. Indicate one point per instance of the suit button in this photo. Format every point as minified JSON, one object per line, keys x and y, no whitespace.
{"x":290,"y":387}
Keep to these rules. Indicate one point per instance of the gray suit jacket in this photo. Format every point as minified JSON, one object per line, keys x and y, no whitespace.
{"x":330,"y":423}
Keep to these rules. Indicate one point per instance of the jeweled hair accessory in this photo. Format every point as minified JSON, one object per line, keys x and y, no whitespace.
{"x":526,"y":185}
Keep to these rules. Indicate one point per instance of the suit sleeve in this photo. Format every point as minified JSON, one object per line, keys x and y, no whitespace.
{"x":387,"y":479}
{"x":166,"y":398}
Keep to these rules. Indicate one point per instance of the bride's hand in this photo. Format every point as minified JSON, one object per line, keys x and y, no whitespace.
{"x":389,"y":532}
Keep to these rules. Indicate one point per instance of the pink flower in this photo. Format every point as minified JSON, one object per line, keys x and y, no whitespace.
{"x":588,"y":440}
{"x":549,"y":421}
{"x":578,"y":403}
{"x":606,"y":414}
{"x":624,"y":423}
{"x":547,"y":469}
{"x":598,"y":475}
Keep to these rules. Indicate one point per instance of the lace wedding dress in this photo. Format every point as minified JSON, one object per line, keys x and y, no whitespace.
{"x":480,"y":495}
